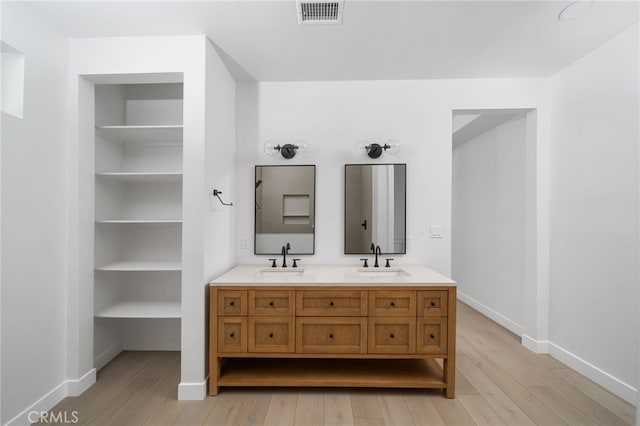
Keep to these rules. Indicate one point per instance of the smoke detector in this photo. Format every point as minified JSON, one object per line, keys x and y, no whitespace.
{"x":319,"y":12}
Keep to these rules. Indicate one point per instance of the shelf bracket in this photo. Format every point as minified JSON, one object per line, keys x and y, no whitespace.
{"x":217,"y":193}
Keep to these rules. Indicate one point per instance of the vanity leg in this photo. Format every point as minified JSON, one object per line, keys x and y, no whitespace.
{"x":214,"y":374}
{"x":449,"y":372}
{"x":214,"y":360}
{"x":449,"y":364}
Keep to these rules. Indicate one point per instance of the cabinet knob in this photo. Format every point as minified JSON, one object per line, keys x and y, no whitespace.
{"x":433,"y":304}
{"x":393,"y":303}
{"x":331,"y":336}
{"x":432,"y":336}
{"x":392,"y":335}
{"x":232,"y":303}
{"x":271,"y":335}
{"x":270,"y":303}
{"x":232,"y":335}
{"x":331,"y":303}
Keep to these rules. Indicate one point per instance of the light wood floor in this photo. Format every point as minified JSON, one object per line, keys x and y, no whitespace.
{"x":498,"y":383}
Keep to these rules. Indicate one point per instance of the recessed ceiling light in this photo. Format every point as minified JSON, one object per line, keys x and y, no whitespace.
{"x":574,"y":10}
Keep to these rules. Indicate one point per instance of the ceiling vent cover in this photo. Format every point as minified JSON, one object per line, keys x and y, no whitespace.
{"x":319,"y":12}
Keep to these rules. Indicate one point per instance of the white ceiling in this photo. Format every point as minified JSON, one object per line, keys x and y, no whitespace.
{"x":378,"y":40}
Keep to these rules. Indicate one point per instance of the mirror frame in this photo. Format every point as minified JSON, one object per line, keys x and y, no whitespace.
{"x":345,"y":207}
{"x":313,"y":208}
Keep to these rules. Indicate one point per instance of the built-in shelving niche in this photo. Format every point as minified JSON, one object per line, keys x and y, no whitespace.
{"x":138,"y":215}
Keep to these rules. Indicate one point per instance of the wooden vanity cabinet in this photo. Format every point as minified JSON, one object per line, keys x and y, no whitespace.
{"x":331,"y":335}
{"x":392,"y":335}
{"x":272,"y":302}
{"x":331,"y":303}
{"x":232,"y":302}
{"x":353,"y":336}
{"x":232,"y":334}
{"x":391,"y":303}
{"x":271,"y":334}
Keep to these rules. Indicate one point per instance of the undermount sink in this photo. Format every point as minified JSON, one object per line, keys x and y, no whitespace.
{"x":275,"y":273}
{"x":382,"y":272}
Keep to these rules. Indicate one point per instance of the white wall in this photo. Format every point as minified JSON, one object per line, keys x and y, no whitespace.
{"x":33,"y":221}
{"x":594,"y":214}
{"x":219,"y":173}
{"x":488,"y":221}
{"x":336,"y":115}
{"x":206,"y":104}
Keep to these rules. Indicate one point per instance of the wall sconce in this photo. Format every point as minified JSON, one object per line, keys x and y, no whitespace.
{"x":288,"y":149}
{"x":375,"y":148}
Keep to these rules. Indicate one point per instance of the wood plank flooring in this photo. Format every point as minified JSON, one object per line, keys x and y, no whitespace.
{"x":499,"y":382}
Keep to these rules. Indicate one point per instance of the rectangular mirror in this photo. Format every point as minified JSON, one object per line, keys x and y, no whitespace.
{"x":285,"y":209}
{"x":375,"y":208}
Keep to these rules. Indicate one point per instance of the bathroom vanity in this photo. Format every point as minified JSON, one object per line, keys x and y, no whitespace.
{"x":332,"y":326}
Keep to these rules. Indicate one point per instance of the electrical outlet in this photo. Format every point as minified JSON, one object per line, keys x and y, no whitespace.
{"x":435,"y":231}
{"x":244,"y":243}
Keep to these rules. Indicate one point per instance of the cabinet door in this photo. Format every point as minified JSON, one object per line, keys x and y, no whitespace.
{"x":396,"y":335}
{"x":432,"y":336}
{"x":331,"y":303}
{"x":432,"y":303}
{"x":331,"y":335}
{"x":271,"y":334}
{"x":232,"y":302}
{"x":271,"y":302}
{"x":232,"y":334}
{"x":400,"y":303}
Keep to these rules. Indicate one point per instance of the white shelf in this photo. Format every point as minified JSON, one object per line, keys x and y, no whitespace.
{"x":142,"y":266}
{"x":143,"y":177}
{"x":141,"y":310}
{"x":143,"y":134}
{"x":179,"y":221}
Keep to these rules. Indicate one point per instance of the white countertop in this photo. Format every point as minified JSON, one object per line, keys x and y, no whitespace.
{"x":332,"y":275}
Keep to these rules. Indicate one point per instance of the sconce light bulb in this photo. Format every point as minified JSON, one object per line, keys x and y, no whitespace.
{"x":271,"y":147}
{"x":392,"y":146}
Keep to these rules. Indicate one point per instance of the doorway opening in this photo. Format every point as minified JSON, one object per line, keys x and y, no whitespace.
{"x":490,"y":243}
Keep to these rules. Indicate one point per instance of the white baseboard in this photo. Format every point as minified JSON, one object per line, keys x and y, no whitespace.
{"x":192,"y":391}
{"x":75,"y":387}
{"x":45,"y":403}
{"x":537,"y":346}
{"x":32,"y":413}
{"x":507,"y":323}
{"x":604,"y":379}
{"x":105,"y":357}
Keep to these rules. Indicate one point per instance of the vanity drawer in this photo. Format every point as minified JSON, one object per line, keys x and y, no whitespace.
{"x":232,"y":302}
{"x":392,"y":303}
{"x":432,"y":336}
{"x":432,"y":303}
{"x":272,"y":334}
{"x":331,"y":303}
{"x":331,"y":335}
{"x":271,"y":302}
{"x":232,"y":334}
{"x":395,"y":335}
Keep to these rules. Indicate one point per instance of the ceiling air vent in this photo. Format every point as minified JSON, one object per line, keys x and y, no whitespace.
{"x":319,"y":12}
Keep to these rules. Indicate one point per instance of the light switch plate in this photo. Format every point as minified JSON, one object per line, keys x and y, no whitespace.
{"x":435,"y":231}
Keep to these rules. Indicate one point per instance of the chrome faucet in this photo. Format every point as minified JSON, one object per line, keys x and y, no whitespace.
{"x":376,"y":250}
{"x":284,"y":252}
